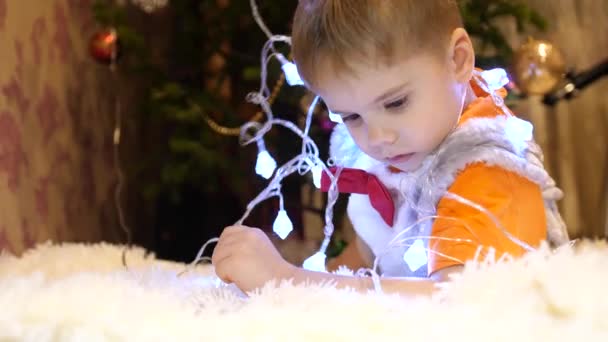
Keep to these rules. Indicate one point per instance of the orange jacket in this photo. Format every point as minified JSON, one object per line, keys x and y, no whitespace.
{"x":515,"y":201}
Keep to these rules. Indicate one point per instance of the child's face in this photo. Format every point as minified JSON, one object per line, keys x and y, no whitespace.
{"x":399,"y":113}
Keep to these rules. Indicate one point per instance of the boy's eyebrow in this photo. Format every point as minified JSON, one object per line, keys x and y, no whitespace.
{"x":390,"y":92}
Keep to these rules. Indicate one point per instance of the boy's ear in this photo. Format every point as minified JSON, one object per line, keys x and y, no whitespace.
{"x":462,"y":55}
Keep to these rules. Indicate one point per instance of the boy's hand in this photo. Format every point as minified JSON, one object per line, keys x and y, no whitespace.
{"x":246,"y":257}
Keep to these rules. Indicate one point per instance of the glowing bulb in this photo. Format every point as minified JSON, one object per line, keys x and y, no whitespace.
{"x":316,"y":175}
{"x":415,"y":257}
{"x":335,"y":117}
{"x":265,"y":164}
{"x":291,"y":74}
{"x":542,"y":50}
{"x":282,"y":224}
{"x":496,"y":78}
{"x":315,"y":262}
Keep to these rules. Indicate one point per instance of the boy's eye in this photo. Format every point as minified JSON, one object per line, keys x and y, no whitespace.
{"x":351,"y":117}
{"x":396,"y":104}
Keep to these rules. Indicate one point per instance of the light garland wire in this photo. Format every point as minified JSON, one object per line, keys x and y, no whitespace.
{"x":254,"y":131}
{"x":116,"y":140}
{"x":258,"y":19}
{"x":308,"y":161}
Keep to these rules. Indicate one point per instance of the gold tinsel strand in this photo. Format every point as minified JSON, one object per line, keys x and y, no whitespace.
{"x":235,"y":131}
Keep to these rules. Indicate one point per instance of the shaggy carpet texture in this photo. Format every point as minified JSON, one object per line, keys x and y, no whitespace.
{"x":77,"y":292}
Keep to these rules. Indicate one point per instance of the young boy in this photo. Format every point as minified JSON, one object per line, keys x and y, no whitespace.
{"x":422,"y":122}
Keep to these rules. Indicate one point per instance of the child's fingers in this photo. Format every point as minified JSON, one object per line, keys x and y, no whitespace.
{"x":238,"y":235}
{"x":223,"y":274}
{"x":234,"y":230}
{"x":224,"y":249}
{"x":221,"y":262}
{"x":232,"y":242}
{"x":228,"y":235}
{"x":226,"y":245}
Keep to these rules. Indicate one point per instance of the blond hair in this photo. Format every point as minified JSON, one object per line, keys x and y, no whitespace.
{"x":334,"y":33}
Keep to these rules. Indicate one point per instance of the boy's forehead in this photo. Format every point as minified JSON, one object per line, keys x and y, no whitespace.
{"x":367,"y":64}
{"x":368,"y":85}
{"x":370,"y":79}
{"x":333,"y":80}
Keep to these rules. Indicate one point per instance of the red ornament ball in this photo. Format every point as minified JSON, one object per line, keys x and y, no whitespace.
{"x":104,"y":46}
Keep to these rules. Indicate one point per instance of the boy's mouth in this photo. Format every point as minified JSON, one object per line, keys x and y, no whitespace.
{"x":401,"y":158}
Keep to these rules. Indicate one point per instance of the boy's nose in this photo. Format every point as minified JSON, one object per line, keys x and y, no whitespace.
{"x":378,"y":135}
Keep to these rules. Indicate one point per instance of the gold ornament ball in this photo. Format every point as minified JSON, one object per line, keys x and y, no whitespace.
{"x":538,"y":67}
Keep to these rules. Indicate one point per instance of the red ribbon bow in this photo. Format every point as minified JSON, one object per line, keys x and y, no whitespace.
{"x":356,"y":181}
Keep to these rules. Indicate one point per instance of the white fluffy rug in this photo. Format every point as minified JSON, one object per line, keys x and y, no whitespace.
{"x":76,"y":292}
